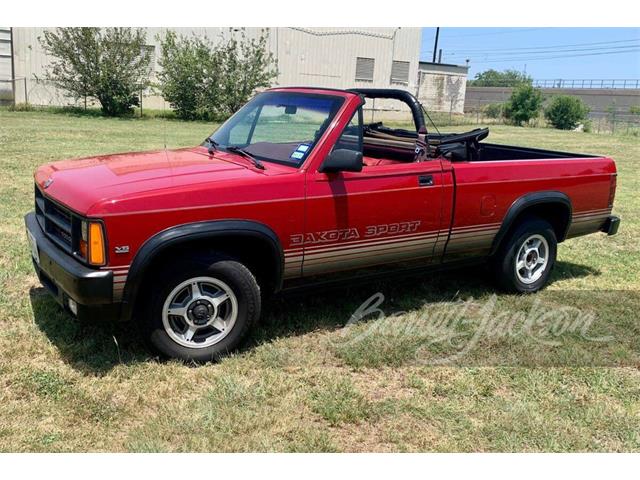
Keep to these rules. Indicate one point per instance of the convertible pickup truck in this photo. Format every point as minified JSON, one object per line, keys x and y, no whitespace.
{"x":296,"y":189}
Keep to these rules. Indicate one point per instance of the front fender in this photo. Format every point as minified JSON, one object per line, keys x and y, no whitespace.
{"x":174,"y":236}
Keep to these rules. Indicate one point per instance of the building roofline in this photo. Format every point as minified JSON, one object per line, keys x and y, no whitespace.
{"x":443,"y":65}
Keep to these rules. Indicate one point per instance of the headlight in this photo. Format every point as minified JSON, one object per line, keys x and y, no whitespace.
{"x":92,"y":244}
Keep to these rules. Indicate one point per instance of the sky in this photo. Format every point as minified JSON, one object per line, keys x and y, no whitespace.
{"x":581,"y":53}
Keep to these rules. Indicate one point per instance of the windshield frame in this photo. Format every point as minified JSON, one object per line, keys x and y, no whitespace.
{"x":339,"y":103}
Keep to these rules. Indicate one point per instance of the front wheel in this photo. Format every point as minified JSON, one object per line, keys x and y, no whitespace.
{"x":525,"y":261}
{"x":201,"y":309}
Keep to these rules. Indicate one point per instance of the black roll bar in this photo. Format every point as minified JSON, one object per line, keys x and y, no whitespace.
{"x":402,"y":95}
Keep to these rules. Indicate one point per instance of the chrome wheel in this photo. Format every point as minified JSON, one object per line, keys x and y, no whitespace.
{"x":532,"y":259}
{"x":200,"y":312}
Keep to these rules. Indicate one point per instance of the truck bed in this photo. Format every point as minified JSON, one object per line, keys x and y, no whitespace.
{"x":397,"y":145}
{"x":490,"y":152}
{"x":468,"y":146}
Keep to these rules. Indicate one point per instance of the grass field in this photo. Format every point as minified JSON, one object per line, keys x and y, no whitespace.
{"x":303,"y":382}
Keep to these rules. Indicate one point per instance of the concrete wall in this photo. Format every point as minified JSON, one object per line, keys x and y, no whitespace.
{"x":442,"y":89}
{"x":599,"y":100}
{"x":324,"y":57}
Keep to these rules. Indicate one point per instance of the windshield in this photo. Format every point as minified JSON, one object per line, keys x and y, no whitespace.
{"x":281,"y":127}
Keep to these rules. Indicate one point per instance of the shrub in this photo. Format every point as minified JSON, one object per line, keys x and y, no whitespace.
{"x":525,"y":103}
{"x":566,"y":112}
{"x":210,"y":81}
{"x":494,"y":110}
{"x":110,"y":65}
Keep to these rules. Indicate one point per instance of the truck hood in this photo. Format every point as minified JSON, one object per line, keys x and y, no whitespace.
{"x":88,"y":182}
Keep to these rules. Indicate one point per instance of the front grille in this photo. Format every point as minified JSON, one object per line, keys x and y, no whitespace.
{"x":59,"y":223}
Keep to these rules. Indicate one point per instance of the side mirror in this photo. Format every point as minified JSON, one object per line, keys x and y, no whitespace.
{"x":342,"y":160}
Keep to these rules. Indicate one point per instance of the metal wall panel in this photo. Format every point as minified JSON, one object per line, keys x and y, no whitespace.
{"x":324,"y":57}
{"x":5,"y":53}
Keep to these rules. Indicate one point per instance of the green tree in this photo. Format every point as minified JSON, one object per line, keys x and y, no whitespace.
{"x":495,"y":78}
{"x":247,"y":65}
{"x":525,"y":103}
{"x":109,"y":65}
{"x":189,"y":74}
{"x":566,"y":112}
{"x":206,"y":80}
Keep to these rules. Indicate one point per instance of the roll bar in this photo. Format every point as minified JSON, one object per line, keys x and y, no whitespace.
{"x":402,"y":95}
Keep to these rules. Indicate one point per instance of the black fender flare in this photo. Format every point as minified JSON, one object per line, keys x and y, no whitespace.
{"x":526,"y":201}
{"x":174,"y":236}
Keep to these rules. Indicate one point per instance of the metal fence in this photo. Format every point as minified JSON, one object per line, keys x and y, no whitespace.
{"x":33,"y":91}
{"x":628,"y":83}
{"x":41,"y":92}
{"x":587,"y":83}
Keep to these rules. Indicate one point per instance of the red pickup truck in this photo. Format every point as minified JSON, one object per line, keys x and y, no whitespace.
{"x":296,"y":188}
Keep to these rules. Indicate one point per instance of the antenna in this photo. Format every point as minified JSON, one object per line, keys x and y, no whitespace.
{"x":164,"y":123}
{"x":164,"y":113}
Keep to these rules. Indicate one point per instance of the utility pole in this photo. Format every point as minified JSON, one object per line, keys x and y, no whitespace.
{"x":435,"y":45}
{"x":440,"y":56}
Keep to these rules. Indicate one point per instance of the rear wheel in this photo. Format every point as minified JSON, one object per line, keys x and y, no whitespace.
{"x":201,"y":308}
{"x":524,"y":262}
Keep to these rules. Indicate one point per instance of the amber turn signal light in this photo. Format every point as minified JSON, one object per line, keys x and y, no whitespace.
{"x":96,"y":244}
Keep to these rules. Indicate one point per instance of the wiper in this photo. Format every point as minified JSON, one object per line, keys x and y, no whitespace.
{"x":213,"y":145}
{"x":256,"y":163}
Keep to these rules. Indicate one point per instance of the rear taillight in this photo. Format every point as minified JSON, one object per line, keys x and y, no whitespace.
{"x":612,"y":189}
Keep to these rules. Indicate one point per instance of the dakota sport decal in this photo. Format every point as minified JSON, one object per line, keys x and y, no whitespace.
{"x":346,"y":234}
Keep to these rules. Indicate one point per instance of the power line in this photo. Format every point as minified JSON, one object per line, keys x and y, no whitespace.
{"x":525,"y":55}
{"x":463,"y":50}
{"x":557,"y":56}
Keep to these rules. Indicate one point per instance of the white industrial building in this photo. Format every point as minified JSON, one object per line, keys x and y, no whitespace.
{"x":324,"y":57}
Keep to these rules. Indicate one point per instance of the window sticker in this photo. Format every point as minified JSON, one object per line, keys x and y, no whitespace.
{"x":303,"y":147}
{"x":297,"y":155}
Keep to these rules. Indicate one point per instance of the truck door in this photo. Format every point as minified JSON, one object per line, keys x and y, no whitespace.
{"x":390,"y":212}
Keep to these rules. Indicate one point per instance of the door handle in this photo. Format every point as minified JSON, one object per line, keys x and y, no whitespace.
{"x":425,"y":180}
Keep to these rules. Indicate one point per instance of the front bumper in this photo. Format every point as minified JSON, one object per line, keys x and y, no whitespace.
{"x":66,"y":278}
{"x":610,"y":226}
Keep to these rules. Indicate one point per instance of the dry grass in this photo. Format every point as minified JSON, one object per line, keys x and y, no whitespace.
{"x":303,"y":383}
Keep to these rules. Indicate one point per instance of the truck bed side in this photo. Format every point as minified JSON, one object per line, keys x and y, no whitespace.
{"x":485,"y":191}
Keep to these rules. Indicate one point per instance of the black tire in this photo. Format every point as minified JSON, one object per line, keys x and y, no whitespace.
{"x":233,"y":273}
{"x":504,"y":262}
